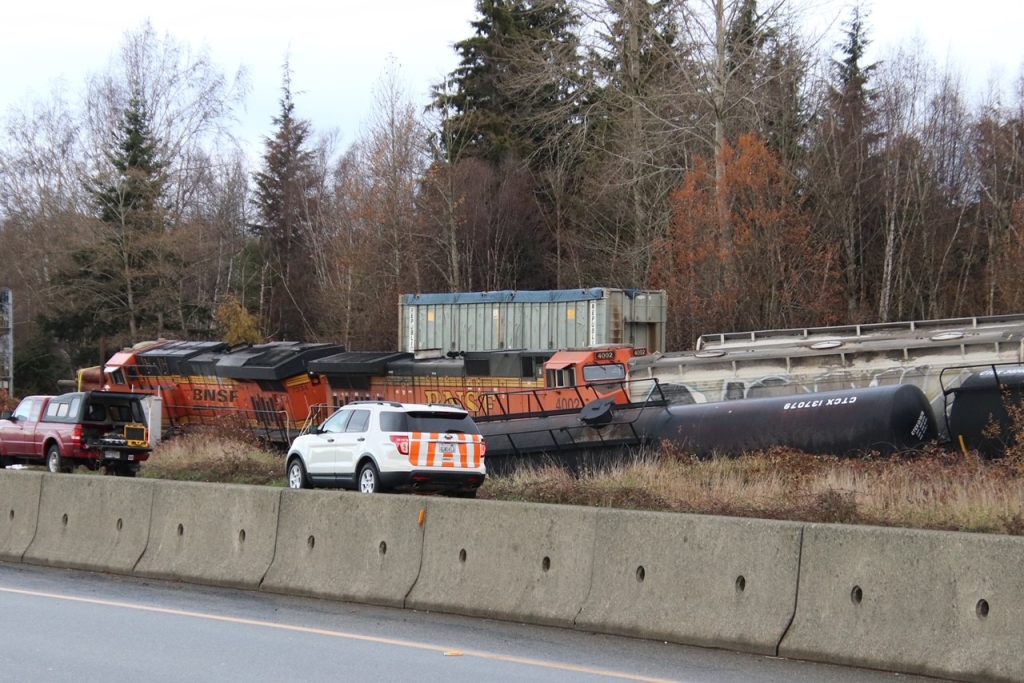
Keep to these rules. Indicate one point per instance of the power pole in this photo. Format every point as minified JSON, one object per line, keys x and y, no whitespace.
{"x":6,"y":343}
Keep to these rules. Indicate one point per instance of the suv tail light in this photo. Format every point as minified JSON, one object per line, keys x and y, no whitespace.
{"x":402,"y":443}
{"x":483,"y":448}
{"x":77,"y":435}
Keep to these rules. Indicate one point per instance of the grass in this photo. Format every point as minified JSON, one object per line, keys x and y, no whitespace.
{"x":934,"y":489}
{"x":206,"y":455}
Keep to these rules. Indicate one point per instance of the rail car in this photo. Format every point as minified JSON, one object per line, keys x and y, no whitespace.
{"x":906,"y":329}
{"x":278,"y":389}
{"x":801,"y":367}
{"x":986,"y":409}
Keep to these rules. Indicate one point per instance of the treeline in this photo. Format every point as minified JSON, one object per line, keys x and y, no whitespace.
{"x":707,"y":147}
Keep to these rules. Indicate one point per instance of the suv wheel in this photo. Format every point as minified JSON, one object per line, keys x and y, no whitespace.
{"x":369,"y":479}
{"x":297,"y":475}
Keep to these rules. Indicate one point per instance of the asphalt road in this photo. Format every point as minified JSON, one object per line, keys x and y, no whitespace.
{"x":58,"y":625}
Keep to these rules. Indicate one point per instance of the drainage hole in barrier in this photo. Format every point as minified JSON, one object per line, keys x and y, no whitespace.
{"x":462,"y":555}
{"x":856,"y":595}
{"x":64,"y":519}
{"x":545,"y":564}
{"x":641,"y":573}
{"x":310,"y":542}
{"x":11,"y":516}
{"x":981,"y":609}
{"x":741,"y":584}
{"x":181,"y":530}
{"x":241,"y":535}
{"x":382,"y":548}
{"x":120,"y":523}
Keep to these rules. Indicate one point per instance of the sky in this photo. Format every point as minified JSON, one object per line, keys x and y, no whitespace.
{"x":339,"y":50}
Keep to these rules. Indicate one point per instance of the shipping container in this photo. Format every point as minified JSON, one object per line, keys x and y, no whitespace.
{"x":553,"y":319}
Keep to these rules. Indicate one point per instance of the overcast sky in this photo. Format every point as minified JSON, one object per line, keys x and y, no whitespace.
{"x":340,"y":49}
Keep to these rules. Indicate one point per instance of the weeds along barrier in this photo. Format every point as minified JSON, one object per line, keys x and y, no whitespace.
{"x":929,"y":602}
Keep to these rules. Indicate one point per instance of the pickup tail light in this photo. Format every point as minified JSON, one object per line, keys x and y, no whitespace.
{"x":483,"y":448}
{"x":78,"y":435}
{"x":402,"y":443}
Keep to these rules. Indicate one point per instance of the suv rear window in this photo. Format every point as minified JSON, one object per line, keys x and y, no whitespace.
{"x":427,"y":421}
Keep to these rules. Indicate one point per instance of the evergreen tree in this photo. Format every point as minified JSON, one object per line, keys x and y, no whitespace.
{"x":846,"y":169}
{"x":286,"y":202}
{"x":515,"y":72}
{"x":114,"y":279}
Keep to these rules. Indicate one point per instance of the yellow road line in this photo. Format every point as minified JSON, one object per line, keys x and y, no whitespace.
{"x":413,"y":645}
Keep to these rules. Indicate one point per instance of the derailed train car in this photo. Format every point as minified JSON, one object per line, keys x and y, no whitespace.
{"x":848,"y":423}
{"x":986,"y":411}
{"x":281,"y":388}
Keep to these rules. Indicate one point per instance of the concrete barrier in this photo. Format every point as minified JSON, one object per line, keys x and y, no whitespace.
{"x":930,"y":602}
{"x":19,"y":510}
{"x":347,"y":546}
{"x":213,"y":534}
{"x":700,"y":580}
{"x":91,"y":522}
{"x":505,"y":560}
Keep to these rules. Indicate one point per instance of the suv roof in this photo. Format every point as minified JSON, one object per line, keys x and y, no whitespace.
{"x":433,"y":407}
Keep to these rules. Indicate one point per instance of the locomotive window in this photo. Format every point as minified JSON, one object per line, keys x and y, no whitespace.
{"x":562,"y":378}
{"x":358,"y":423}
{"x":604,"y":373}
{"x":117,"y":376}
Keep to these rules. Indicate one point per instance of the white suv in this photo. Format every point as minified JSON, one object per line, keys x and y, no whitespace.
{"x":379,"y":445}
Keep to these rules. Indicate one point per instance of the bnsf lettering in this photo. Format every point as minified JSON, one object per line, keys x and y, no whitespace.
{"x":797,"y":405}
{"x":472,"y":401}
{"x":215,"y":395}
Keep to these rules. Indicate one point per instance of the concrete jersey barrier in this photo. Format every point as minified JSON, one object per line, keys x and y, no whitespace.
{"x":931,"y":602}
{"x":506,"y":560}
{"x":90,"y":522}
{"x":19,"y":510}
{"x":347,"y":546}
{"x":700,"y":580}
{"x":935,"y":603}
{"x":215,"y":534}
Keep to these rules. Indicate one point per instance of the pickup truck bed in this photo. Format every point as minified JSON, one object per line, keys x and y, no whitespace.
{"x":93,"y":429}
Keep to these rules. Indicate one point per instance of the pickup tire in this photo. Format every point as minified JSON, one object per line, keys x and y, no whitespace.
{"x":55,"y":461}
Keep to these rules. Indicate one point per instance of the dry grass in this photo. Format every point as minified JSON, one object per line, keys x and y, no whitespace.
{"x":934,"y":490}
{"x":206,"y":455}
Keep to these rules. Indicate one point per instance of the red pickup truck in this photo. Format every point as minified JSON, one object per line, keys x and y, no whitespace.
{"x":93,"y":429}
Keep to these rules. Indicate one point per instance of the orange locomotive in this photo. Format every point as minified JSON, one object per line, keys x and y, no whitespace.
{"x":278,"y":389}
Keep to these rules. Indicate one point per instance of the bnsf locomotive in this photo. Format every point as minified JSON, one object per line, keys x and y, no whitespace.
{"x":279,"y":388}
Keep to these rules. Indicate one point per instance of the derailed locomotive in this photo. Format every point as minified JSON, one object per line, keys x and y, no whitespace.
{"x":528,"y":413}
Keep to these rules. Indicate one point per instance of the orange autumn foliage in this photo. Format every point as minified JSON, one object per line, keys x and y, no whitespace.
{"x":752,"y":261}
